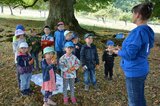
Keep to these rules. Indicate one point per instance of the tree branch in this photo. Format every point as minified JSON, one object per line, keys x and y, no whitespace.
{"x":26,"y":6}
{"x":45,"y":0}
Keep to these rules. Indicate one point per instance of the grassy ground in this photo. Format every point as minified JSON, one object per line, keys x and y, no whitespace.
{"x":113,"y":93}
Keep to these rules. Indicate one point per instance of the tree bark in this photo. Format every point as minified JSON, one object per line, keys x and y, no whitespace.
{"x":1,"y":8}
{"x":11,"y":10}
{"x":63,"y":10}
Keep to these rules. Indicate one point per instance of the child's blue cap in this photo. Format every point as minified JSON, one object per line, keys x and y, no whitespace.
{"x":110,"y":43}
{"x":87,"y":35}
{"x":74,"y":36}
{"x":19,"y":26}
{"x":48,"y":50}
{"x":69,"y":44}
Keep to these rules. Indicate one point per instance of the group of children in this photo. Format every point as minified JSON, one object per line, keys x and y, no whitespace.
{"x":60,"y":52}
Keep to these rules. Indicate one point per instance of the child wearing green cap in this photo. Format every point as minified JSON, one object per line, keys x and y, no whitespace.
{"x":48,"y":65}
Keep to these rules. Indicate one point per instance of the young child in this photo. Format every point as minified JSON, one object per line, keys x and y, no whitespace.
{"x":48,"y":65}
{"x":24,"y":67}
{"x":108,"y":58}
{"x":68,"y":35}
{"x":47,"y":39}
{"x":19,"y":26}
{"x":90,"y":61}
{"x":69,"y":63}
{"x":77,"y":49}
{"x":34,"y":44}
{"x":59,"y":39}
{"x":19,"y":35}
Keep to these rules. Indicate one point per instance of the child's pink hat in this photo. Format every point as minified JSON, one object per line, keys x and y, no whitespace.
{"x":60,"y":23}
{"x":19,"y":32}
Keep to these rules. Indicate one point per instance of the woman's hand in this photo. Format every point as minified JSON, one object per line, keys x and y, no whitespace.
{"x":115,"y":51}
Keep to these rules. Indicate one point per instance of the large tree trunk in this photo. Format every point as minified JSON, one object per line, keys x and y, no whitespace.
{"x":63,"y":10}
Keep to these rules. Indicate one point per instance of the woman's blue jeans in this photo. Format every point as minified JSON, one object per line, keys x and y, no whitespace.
{"x":135,"y":90}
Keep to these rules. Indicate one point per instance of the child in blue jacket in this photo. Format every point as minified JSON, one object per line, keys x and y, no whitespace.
{"x":59,"y":39}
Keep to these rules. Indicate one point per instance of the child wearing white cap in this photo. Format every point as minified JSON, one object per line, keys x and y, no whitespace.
{"x":24,"y":68}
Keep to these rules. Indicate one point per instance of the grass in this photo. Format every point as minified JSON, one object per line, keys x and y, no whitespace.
{"x":113,"y":93}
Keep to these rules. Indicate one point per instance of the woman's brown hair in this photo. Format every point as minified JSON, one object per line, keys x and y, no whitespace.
{"x":145,"y":9}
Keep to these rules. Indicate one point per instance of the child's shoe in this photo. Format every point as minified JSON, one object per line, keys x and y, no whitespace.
{"x":50,"y":102}
{"x":96,"y":87}
{"x":29,"y":91}
{"x":105,"y":77}
{"x":77,"y":80}
{"x":46,"y":104}
{"x":86,"y":88}
{"x":24,"y":93}
{"x":65,"y":100}
{"x":110,"y":78}
{"x":73,"y":99}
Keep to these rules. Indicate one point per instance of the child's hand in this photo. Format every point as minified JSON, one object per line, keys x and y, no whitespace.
{"x":33,"y":43}
{"x":115,"y":51}
{"x":97,"y":67}
{"x":77,"y":47}
{"x":31,"y":62}
{"x":117,"y":48}
{"x":84,"y":67}
{"x":54,"y":61}
{"x":71,"y":69}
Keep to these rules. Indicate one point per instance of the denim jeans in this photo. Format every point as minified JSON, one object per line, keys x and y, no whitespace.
{"x":89,"y":76}
{"x":35,"y":57}
{"x":18,"y":77}
{"x":135,"y":90}
{"x":25,"y":81}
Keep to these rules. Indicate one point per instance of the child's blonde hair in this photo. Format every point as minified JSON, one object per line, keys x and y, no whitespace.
{"x":69,"y":35}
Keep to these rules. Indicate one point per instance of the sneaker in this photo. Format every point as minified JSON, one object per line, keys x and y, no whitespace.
{"x":96,"y":87}
{"x":65,"y":101}
{"x":73,"y":99}
{"x":110,"y":78}
{"x":77,"y":80}
{"x":50,"y":102}
{"x":24,"y":93}
{"x":86,"y":88}
{"x":105,"y":77}
{"x":46,"y":104}
{"x":37,"y":69}
{"x":29,"y":91}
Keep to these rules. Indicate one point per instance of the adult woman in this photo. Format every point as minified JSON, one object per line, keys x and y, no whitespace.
{"x":135,"y":50}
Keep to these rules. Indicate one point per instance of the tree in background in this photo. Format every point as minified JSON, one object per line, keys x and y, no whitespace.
{"x":125,"y":17}
{"x":63,"y":10}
